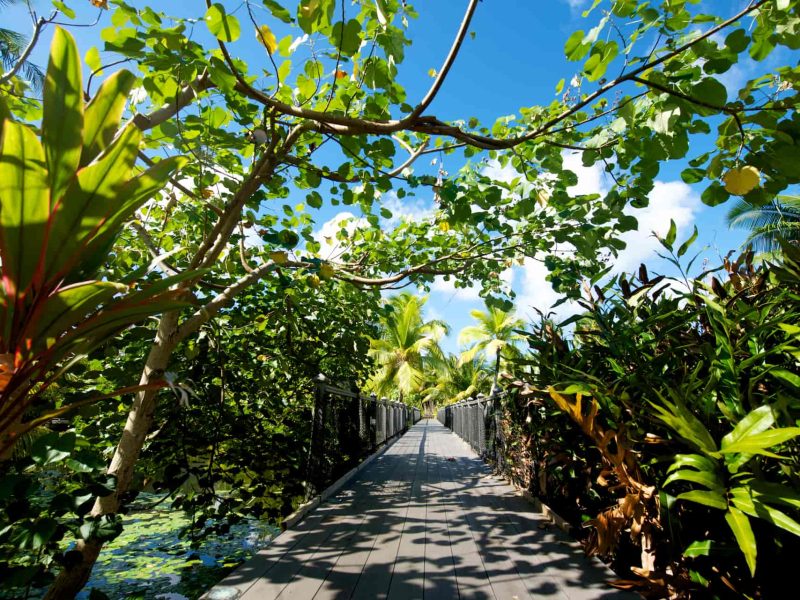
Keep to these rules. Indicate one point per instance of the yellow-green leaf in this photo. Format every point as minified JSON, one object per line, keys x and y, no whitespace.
{"x":62,"y":119}
{"x":68,"y":307}
{"x":267,"y":38}
{"x":103,"y":114}
{"x":740,"y":526}
{"x":222,"y":25}
{"x":92,"y":197}
{"x":24,"y":205}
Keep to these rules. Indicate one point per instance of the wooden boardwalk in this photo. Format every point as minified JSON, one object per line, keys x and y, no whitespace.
{"x":426,"y":519}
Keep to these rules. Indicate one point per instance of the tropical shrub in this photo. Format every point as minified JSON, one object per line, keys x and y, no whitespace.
{"x":65,"y":198}
{"x":688,"y":393}
{"x":65,"y":195}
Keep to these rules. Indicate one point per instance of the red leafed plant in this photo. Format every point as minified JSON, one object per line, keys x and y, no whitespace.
{"x":64,"y":197}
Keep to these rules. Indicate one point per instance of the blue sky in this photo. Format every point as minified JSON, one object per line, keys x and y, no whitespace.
{"x":514,"y":59}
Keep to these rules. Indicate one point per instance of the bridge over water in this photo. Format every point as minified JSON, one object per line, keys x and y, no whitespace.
{"x":425,"y":519}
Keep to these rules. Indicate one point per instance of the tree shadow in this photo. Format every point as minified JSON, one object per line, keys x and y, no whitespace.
{"x":427,"y":519}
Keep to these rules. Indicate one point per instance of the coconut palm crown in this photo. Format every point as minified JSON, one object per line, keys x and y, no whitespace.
{"x":405,"y":339}
{"x":768,"y":224}
{"x":494,"y":335}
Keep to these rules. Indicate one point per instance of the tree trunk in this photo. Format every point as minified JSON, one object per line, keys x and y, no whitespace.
{"x":496,"y":373}
{"x":71,"y":580}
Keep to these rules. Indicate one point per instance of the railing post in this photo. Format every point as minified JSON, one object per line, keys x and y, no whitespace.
{"x":372,"y":420}
{"x":317,"y":446}
{"x":386,"y":419}
{"x":480,"y":418}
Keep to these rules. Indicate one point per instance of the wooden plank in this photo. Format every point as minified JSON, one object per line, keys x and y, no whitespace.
{"x":376,"y":577}
{"x":503,"y":577}
{"x":427,"y":519}
{"x":440,"y":573}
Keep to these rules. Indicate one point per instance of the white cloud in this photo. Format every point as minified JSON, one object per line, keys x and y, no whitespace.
{"x":407,"y":209}
{"x":535,"y":292}
{"x":669,"y":200}
{"x":330,"y":246}
{"x":470,"y":293}
{"x":591,"y":180}
{"x":451,"y":292}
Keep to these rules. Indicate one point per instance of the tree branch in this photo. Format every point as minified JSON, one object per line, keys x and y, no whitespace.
{"x":37,"y":30}
{"x":448,"y":62}
{"x":147,"y":121}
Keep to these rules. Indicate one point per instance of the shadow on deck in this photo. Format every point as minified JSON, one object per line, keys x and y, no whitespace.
{"x":426,"y":519}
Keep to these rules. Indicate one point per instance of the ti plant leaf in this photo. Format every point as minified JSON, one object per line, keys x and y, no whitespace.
{"x":65,"y":198}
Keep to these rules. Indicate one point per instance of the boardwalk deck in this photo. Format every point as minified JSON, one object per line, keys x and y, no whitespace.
{"x":426,"y":519}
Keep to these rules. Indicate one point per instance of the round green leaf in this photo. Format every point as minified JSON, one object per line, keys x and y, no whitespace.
{"x":222,"y":25}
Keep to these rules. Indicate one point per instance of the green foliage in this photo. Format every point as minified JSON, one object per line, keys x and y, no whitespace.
{"x":230,"y":238}
{"x":697,"y":380}
{"x":57,"y":222}
{"x":495,"y":337}
{"x":405,"y":339}
{"x":768,"y":224}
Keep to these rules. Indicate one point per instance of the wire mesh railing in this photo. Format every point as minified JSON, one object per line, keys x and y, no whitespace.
{"x":347,"y":427}
{"x":476,"y":421}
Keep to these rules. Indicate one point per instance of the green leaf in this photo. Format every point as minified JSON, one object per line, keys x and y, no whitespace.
{"x":740,"y":526}
{"x":32,"y":535}
{"x":711,"y":91}
{"x":699,"y":548}
{"x":52,"y":448}
{"x":90,"y":201}
{"x":737,"y":40}
{"x":758,"y":443}
{"x":693,"y":461}
{"x":222,"y":25}
{"x":693,"y":175}
{"x":347,"y":36}
{"x":92,"y":60}
{"x":714,"y":194}
{"x":774,"y":492}
{"x":104,"y":113}
{"x":707,"y":498}
{"x":62,"y":120}
{"x":671,"y":234}
{"x":315,"y":15}
{"x":575,"y":49}
{"x":756,"y":421}
{"x":787,"y":377}
{"x":762,"y":45}
{"x":601,"y":57}
{"x":66,"y":308}
{"x":25,"y":204}
{"x":744,"y":501}
{"x":685,"y":424}
{"x":278,"y":11}
{"x":709,"y":479}
{"x":132,"y":196}
{"x":685,"y":245}
{"x":4,"y":113}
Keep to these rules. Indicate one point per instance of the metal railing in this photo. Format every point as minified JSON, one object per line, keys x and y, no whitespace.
{"x":475,"y":420}
{"x":347,"y":427}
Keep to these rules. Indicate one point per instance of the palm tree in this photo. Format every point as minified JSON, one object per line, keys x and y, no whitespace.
{"x":494,"y":334}
{"x":769,"y":223}
{"x":12,"y":45}
{"x":405,"y":339}
{"x":450,"y":379}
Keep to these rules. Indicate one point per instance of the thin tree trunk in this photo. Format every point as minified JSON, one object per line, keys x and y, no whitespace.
{"x":496,"y":372}
{"x":71,"y":580}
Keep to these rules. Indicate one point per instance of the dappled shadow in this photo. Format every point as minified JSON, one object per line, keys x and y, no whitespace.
{"x":427,"y":519}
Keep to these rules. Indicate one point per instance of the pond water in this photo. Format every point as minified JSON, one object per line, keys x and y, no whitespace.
{"x":150,"y":561}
